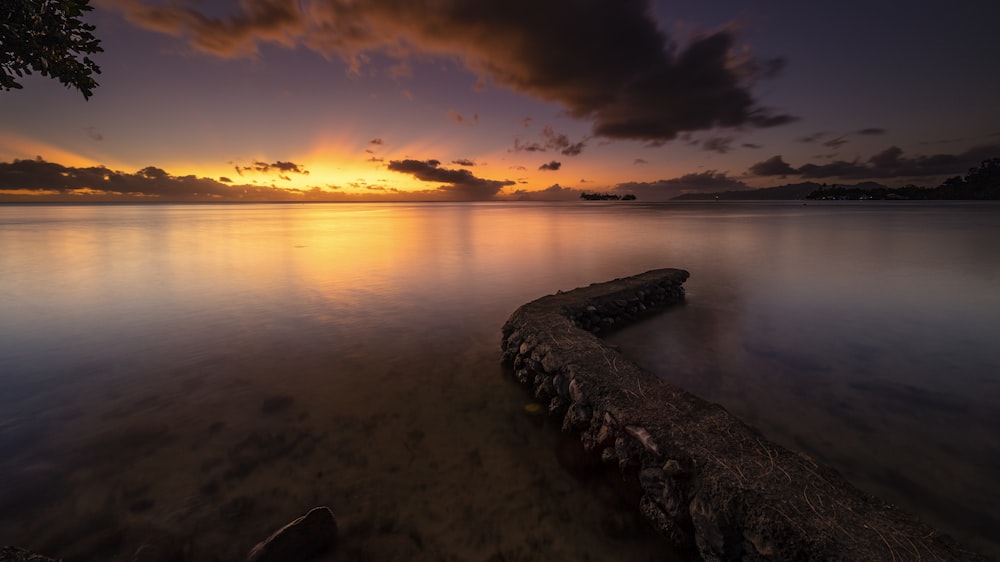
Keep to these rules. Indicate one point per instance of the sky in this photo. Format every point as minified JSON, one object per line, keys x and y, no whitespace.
{"x":482,"y":100}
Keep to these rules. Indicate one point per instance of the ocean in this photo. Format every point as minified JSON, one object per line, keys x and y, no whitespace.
{"x":190,"y":377}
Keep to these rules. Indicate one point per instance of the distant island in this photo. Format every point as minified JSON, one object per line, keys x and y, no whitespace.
{"x":587,"y":196}
{"x":980,"y":184}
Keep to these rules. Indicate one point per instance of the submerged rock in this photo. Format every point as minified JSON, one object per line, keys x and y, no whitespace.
{"x":14,"y":554}
{"x":301,"y":539}
{"x":709,"y":483}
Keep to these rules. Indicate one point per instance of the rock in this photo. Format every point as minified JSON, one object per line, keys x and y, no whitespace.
{"x":299,"y":540}
{"x":14,"y":554}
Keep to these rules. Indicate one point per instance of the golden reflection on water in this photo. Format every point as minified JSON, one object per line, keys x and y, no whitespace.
{"x":196,"y":375}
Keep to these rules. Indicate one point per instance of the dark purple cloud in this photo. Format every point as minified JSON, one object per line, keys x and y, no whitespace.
{"x":550,"y":166}
{"x":663,"y":190}
{"x":606,"y":61}
{"x":835,"y":142}
{"x":773,"y":166}
{"x":551,"y":140}
{"x":58,"y":182}
{"x":554,"y":192}
{"x":871,"y":131}
{"x":461,"y":183}
{"x":39,"y":180}
{"x":721,"y":145}
{"x":813,"y":137}
{"x":889,"y":163}
{"x":281,"y":168}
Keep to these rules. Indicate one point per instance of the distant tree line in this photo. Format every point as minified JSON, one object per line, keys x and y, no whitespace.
{"x":980,"y":184}
{"x":606,"y":197}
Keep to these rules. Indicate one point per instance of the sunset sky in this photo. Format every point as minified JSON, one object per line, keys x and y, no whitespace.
{"x":473,"y":99}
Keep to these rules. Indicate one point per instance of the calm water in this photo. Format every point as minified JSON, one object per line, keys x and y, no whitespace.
{"x":193,"y":376}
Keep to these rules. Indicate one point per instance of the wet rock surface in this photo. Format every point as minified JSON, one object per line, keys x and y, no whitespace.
{"x":301,"y":539}
{"x":710,"y":483}
{"x":14,"y":554}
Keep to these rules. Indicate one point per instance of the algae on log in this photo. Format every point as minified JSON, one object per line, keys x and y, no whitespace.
{"x":709,"y":482}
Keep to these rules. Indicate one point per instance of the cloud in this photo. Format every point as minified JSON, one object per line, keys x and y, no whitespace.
{"x":835,"y":143}
{"x":462,"y":120}
{"x":94,"y":133}
{"x":663,"y":190}
{"x":889,"y":163}
{"x":551,"y":140}
{"x":639,"y":161}
{"x":526,"y":147}
{"x":813,"y":137}
{"x":550,"y":166}
{"x":461,"y":183}
{"x":606,"y":61}
{"x":377,"y":141}
{"x":561,"y":142}
{"x":751,"y":145}
{"x":34,"y":178}
{"x":871,"y":131}
{"x":773,"y":166}
{"x":464,"y":162}
{"x":281,"y":168}
{"x":721,"y":145}
{"x":39,"y":180}
{"x":554,"y":192}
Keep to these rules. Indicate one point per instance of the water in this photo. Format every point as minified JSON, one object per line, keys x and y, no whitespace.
{"x":193,"y":376}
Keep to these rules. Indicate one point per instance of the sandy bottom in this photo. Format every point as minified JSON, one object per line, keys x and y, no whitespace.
{"x":437,"y":459}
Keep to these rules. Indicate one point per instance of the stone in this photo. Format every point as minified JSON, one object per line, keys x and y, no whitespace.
{"x":14,"y":554}
{"x":299,"y":540}
{"x":710,"y":483}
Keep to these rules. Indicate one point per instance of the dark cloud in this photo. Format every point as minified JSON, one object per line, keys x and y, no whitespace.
{"x":551,"y":140}
{"x":32,"y":178}
{"x":561,"y":142}
{"x":607,"y":61}
{"x":39,"y":180}
{"x":835,"y":143}
{"x":813,"y":137}
{"x":662,"y":190}
{"x":751,"y":145}
{"x":376,"y":159}
{"x":224,"y":179}
{"x":153,"y":173}
{"x":889,"y":163}
{"x":464,"y":162}
{"x":773,"y":166}
{"x":376,"y":141}
{"x":526,"y":147}
{"x":279,"y":166}
{"x":871,"y":131}
{"x":461,"y":183}
{"x":721,"y":145}
{"x":554,"y":192}
{"x":550,"y":166}
{"x":639,"y":161}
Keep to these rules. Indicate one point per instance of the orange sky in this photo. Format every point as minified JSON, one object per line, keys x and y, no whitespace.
{"x":502,"y":99}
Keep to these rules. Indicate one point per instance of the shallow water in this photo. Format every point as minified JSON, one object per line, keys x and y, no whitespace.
{"x":193,"y":376}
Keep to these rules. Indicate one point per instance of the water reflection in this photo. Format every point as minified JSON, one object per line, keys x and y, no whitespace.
{"x":194,"y":375}
{"x":862,"y":338}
